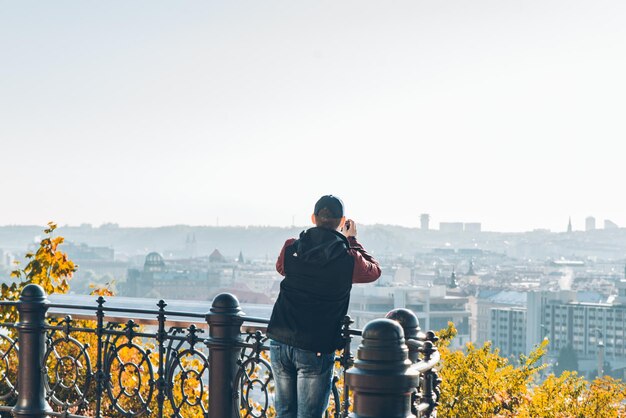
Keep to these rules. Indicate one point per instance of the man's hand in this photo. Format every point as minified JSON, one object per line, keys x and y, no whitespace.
{"x":349,"y":228}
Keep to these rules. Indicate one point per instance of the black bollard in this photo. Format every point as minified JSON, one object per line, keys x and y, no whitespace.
{"x":224,"y":342}
{"x":31,"y":400}
{"x":411,"y":327}
{"x":381,"y":379}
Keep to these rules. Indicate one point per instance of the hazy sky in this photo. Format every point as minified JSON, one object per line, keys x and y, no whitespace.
{"x":509,"y":113}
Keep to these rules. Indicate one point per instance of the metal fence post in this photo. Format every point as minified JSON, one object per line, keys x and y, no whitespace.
{"x":381,"y":379}
{"x":430,"y":389}
{"x":31,"y":400}
{"x":224,"y":342}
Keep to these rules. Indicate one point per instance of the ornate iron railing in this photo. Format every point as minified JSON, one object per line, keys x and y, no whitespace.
{"x":74,"y":368}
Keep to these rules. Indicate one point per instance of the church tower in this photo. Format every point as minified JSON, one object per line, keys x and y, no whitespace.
{"x":453,"y":284}
{"x":470,"y":271}
{"x":191,"y":246}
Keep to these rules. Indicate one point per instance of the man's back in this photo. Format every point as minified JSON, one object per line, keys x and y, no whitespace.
{"x":315,"y":293}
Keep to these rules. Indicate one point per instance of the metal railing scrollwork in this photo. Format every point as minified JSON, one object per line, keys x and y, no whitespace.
{"x":131,"y":384}
{"x":69,"y":372}
{"x":254,"y":378}
{"x":8,"y":368}
{"x":188,"y":368}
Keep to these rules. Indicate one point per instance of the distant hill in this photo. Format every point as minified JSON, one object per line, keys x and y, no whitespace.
{"x":383,"y":240}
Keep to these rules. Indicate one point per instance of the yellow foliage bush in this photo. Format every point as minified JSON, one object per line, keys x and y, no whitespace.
{"x":478,"y":383}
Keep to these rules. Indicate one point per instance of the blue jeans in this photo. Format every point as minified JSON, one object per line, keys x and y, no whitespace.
{"x":303,"y":381}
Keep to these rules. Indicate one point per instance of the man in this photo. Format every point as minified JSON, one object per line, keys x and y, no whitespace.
{"x":305,"y":327}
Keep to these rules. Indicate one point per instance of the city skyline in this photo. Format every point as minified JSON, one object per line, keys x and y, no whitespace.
{"x":155,"y":113}
{"x":577,"y":225}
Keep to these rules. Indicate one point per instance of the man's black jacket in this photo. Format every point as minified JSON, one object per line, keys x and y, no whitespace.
{"x":319,"y":270}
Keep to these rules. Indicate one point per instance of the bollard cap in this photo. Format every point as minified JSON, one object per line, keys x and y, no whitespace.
{"x":33,"y":293}
{"x":383,"y":331}
{"x":383,"y":346}
{"x":225,"y":303}
{"x":407,"y":320}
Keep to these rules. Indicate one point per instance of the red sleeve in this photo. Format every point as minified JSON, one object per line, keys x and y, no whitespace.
{"x":366,"y":268}
{"x":280,"y":263}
